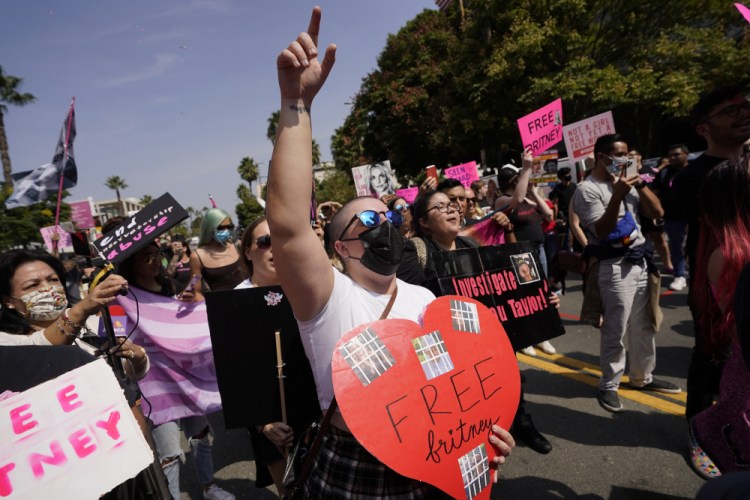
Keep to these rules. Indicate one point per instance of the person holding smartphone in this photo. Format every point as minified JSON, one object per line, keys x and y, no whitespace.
{"x":179,"y":265}
{"x":608,"y":203}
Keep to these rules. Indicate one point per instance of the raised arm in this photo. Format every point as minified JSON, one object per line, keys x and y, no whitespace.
{"x":519,"y":194}
{"x":301,"y":262}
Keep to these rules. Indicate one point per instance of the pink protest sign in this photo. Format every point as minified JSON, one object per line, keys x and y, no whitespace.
{"x":61,"y":438}
{"x":466,"y":173}
{"x":80,"y":213}
{"x":542,"y":129}
{"x":409,"y":194}
{"x":65,"y":241}
{"x":581,"y":136}
{"x":744,"y":11}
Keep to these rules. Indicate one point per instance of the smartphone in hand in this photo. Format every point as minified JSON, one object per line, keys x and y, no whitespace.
{"x":432,"y":172}
{"x":631,"y":168}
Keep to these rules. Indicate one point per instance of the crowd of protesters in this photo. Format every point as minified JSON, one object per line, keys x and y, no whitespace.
{"x":377,"y":261}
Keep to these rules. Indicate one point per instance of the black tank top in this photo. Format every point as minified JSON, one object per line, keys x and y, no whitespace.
{"x":224,"y":277}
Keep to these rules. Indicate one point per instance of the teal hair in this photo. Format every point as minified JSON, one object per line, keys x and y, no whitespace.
{"x":210,"y":222}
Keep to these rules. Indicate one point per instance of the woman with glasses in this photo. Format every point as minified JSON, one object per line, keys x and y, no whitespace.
{"x":145,"y":273}
{"x":398,"y":204}
{"x":216,"y":259}
{"x":437,"y":222}
{"x":473,"y":210}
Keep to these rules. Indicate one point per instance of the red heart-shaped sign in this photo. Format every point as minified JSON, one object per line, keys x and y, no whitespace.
{"x":422,"y":399}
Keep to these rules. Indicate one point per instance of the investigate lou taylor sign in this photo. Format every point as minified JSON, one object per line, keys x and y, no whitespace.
{"x":70,"y":437}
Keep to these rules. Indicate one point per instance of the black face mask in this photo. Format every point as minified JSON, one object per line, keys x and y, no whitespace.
{"x":384,"y":248}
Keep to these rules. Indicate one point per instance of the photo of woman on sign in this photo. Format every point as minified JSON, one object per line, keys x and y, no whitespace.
{"x":380,"y":179}
{"x":526,"y":271}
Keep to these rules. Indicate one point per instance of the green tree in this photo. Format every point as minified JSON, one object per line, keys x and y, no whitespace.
{"x":249,"y":208}
{"x":337,"y":186}
{"x":248,"y":170}
{"x":444,"y":92}
{"x":9,"y":95}
{"x":146,"y":200}
{"x":117,"y":183}
{"x":21,"y":225}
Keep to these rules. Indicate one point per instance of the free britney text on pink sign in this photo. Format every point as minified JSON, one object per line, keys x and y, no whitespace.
{"x":70,"y":437}
{"x":542,"y":129}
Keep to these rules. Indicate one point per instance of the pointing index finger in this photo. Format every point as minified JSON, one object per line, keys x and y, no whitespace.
{"x":314,"y":28}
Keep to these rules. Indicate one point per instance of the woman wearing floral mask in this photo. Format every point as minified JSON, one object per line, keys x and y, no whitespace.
{"x":35,"y":306}
{"x":216,"y":259}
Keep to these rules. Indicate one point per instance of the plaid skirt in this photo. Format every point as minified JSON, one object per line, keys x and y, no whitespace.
{"x":344,"y":469}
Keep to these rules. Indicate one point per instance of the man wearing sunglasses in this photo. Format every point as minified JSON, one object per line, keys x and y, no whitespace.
{"x":722,"y":118}
{"x":326,"y":302}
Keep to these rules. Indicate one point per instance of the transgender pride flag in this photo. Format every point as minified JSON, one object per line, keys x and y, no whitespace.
{"x":182,"y":379}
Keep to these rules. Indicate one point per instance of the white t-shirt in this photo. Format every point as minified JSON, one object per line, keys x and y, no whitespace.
{"x":351,"y":305}
{"x":245,"y":284}
{"x":590,"y":201}
{"x":36,"y":338}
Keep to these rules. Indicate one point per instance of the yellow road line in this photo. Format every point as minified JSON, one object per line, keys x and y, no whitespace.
{"x":594,"y":369}
{"x":591,"y":377}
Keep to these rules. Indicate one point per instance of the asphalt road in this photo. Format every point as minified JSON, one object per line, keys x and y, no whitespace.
{"x":640,"y":453}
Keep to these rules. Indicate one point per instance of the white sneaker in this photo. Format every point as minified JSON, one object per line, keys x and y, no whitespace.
{"x":546,"y":347}
{"x":678,"y":284}
{"x":215,"y":493}
{"x":529,"y":351}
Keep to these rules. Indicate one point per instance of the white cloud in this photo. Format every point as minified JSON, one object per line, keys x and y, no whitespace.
{"x":161,"y":65}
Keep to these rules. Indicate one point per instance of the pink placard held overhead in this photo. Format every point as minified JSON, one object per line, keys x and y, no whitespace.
{"x":542,"y":129}
{"x":581,"y":136}
{"x":65,"y":241}
{"x":409,"y":194}
{"x":466,"y":173}
{"x":80,"y":213}
{"x":744,"y":11}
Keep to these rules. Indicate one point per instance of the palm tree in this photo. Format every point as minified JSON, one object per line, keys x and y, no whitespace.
{"x":116,"y":182}
{"x":248,"y":170}
{"x":9,"y":95}
{"x":146,"y":200}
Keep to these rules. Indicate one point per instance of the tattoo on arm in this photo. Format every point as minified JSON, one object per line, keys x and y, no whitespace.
{"x":299,"y":109}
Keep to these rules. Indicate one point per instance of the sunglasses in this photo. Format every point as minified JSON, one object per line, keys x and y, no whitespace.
{"x":264,"y":242}
{"x":401,"y":207}
{"x":228,"y":226}
{"x":371,"y":219}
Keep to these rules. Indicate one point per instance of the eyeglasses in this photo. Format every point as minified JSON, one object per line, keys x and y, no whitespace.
{"x":731,"y":111}
{"x":264,"y":242}
{"x":371,"y":219}
{"x":471,"y":200}
{"x":150,"y":258}
{"x":401,"y":207}
{"x":443,"y":208}
{"x":228,"y":226}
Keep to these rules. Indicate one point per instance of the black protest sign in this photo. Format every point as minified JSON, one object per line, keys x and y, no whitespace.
{"x":243,"y":326}
{"x":139,"y":230}
{"x":509,"y":280}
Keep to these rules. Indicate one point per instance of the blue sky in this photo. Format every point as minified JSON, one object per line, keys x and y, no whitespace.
{"x":171,"y":95}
